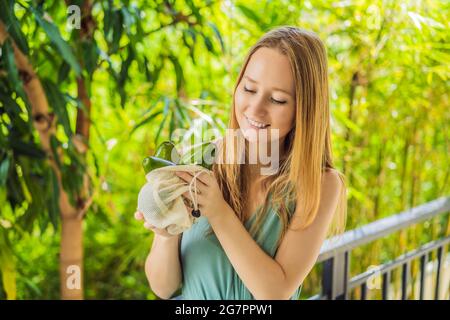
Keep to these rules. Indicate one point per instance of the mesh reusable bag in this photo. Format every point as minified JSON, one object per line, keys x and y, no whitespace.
{"x":160,"y":198}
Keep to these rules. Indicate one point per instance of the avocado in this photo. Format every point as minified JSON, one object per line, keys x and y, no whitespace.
{"x":166,"y":150}
{"x":203,"y":149}
{"x":151,"y":163}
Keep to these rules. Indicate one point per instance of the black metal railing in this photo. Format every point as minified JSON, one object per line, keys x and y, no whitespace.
{"x":335,"y":255}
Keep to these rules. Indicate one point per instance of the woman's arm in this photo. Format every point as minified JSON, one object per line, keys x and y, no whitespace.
{"x":268,"y":278}
{"x":162,"y":267}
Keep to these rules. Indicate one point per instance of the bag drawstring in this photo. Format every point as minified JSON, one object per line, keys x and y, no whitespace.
{"x":194,"y":181}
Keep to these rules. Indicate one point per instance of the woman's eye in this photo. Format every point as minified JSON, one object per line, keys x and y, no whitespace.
{"x":272,"y":99}
{"x":277,"y":101}
{"x":248,"y":90}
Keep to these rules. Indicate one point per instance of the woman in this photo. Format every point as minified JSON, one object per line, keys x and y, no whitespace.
{"x":259,"y":235}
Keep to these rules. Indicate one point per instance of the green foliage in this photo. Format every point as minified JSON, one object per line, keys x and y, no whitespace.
{"x":13,"y":25}
{"x":61,"y":45}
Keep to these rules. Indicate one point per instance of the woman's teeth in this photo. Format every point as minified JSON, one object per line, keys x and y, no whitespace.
{"x":257,"y":124}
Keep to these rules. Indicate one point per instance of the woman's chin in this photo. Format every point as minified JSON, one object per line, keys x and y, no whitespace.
{"x":253,"y":135}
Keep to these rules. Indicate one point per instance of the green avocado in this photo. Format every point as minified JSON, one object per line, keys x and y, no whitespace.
{"x":203,"y":149}
{"x":165,"y":150}
{"x":151,"y":163}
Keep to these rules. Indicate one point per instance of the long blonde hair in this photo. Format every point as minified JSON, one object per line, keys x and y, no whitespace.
{"x":307,"y":145}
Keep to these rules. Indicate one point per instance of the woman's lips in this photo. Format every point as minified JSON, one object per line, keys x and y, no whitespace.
{"x":254,"y":126}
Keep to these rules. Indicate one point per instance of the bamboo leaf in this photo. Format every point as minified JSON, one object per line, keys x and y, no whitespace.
{"x":208,"y":43}
{"x":25,"y":148}
{"x":155,"y":73}
{"x":165,"y":112}
{"x":90,"y":55}
{"x":152,"y":106}
{"x":108,"y":21}
{"x":12,"y":25}
{"x":55,"y":37}
{"x":172,"y":123}
{"x":54,"y":144}
{"x":146,"y":69}
{"x":166,"y":105}
{"x":218,"y":35}
{"x":14,"y":188}
{"x":53,"y":198}
{"x":249,"y":14}
{"x":127,"y":19}
{"x":145,"y":121}
{"x":192,"y":33}
{"x":11,"y":68}
{"x":203,"y":115}
{"x":59,"y":104}
{"x":161,"y":127}
{"x":123,"y":75}
{"x":195,"y":11}
{"x":4,"y":168}
{"x":20,"y":126}
{"x":178,"y":72}
{"x":179,"y":108}
{"x":63,"y":71}
{"x":117,"y":30}
{"x":419,"y":20}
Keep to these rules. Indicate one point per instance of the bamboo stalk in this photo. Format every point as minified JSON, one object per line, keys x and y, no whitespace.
{"x":44,"y":123}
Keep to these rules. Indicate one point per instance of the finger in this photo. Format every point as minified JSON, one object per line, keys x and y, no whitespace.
{"x":203,"y":177}
{"x":190,"y":197}
{"x":187,"y":202}
{"x":201,"y":187}
{"x":183,"y":176}
{"x":200,"y":199}
{"x":187,"y":177}
{"x":189,"y":209}
{"x":138,"y":215}
{"x":148,"y":226}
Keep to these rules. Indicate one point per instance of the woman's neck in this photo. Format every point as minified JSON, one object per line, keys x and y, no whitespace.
{"x":255,"y":169}
{"x":254,"y":172}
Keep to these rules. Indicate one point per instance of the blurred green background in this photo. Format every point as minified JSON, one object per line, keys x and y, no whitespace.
{"x":140,"y":69}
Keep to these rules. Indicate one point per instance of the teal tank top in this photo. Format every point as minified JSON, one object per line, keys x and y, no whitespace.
{"x":208,"y":273}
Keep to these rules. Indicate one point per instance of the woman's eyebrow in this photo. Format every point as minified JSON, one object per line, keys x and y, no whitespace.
{"x":278,"y":89}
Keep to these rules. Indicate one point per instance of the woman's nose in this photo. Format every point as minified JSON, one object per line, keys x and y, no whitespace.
{"x":257,"y":106}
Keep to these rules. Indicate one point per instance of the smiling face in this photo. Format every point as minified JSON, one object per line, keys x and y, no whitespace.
{"x":265,"y":96}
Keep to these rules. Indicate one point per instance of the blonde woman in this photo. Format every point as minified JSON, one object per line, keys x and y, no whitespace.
{"x":258,"y":235}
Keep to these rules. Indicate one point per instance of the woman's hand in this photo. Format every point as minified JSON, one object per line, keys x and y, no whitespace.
{"x":162,"y":232}
{"x":210,"y":200}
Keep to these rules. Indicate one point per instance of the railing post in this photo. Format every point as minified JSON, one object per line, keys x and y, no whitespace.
{"x":335,"y":276}
{"x":405,"y":280}
{"x":440,"y":257}
{"x":423,"y":270}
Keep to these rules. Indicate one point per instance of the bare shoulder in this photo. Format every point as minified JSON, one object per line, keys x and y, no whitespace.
{"x":332,"y":184}
{"x":332,"y":180}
